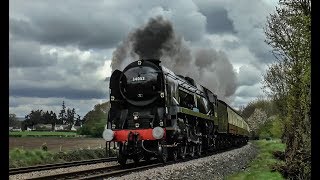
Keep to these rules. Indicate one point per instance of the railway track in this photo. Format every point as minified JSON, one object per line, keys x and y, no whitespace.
{"x":110,"y":171}
{"x":13,"y":171}
{"x":102,"y":172}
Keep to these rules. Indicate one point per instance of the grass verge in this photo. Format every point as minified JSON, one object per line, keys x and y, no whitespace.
{"x":42,"y":134}
{"x":261,"y":166}
{"x":23,"y":158}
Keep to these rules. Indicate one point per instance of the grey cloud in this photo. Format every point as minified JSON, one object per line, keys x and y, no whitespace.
{"x":83,"y":24}
{"x":90,"y":66}
{"x":241,"y":101}
{"x":248,"y":75}
{"x":217,"y":20}
{"x":63,"y":92}
{"x":35,"y":74}
{"x":245,"y":20}
{"x":27,"y":54}
{"x":249,"y":22}
{"x":191,"y":25}
{"x":73,"y":66}
{"x":14,"y":103}
{"x":231,"y":44}
{"x":65,"y":31}
{"x":70,"y":77}
{"x":265,"y":55}
{"x":98,"y":25}
{"x":249,"y":91}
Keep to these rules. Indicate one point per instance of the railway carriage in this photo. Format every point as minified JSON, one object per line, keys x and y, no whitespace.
{"x":156,"y":113}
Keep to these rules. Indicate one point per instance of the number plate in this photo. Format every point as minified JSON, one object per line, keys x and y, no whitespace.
{"x":138,"y":79}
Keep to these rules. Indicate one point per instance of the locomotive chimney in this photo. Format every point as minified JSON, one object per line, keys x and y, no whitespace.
{"x":154,"y":61}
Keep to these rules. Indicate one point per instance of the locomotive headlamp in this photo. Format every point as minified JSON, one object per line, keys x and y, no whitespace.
{"x":135,"y":115}
{"x":112,"y":98}
{"x":157,"y":132}
{"x":108,"y":134}
{"x":162,"y":94}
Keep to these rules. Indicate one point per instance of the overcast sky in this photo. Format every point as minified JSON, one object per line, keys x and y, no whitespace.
{"x":62,"y":50}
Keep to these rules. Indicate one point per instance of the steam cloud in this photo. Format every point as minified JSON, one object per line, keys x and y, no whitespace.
{"x":157,"y":40}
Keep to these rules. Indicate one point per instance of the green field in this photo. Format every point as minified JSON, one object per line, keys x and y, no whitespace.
{"x":260,"y":167}
{"x":41,"y":133}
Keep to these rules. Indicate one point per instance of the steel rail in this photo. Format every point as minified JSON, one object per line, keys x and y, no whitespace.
{"x":96,"y":172}
{"x":121,"y":172}
{"x":13,"y":171}
{"x":77,"y":174}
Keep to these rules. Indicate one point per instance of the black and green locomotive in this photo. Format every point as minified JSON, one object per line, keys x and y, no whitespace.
{"x":156,"y":113}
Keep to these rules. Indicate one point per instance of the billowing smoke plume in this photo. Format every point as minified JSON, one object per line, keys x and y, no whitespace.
{"x":158,"y":40}
{"x":216,"y":71}
{"x":155,"y":40}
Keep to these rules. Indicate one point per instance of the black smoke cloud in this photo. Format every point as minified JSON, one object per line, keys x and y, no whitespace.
{"x":157,"y":39}
{"x":148,"y":42}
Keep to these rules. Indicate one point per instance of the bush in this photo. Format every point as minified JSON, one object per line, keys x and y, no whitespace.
{"x":279,"y":155}
{"x":271,"y":129}
{"x":83,"y":154}
{"x":84,"y":130}
{"x":44,"y":147}
{"x":21,"y":158}
{"x":97,"y":132}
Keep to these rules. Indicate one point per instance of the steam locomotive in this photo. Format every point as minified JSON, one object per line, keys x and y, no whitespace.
{"x":157,"y":114}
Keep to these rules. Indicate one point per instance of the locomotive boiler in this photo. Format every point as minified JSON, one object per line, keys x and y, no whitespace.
{"x":156,"y":113}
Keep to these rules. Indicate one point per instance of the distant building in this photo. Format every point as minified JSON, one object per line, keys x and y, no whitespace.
{"x":75,"y":128}
{"x":60,"y":127}
{"x":16,"y":129}
{"x":44,"y":127}
{"x":30,"y":129}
